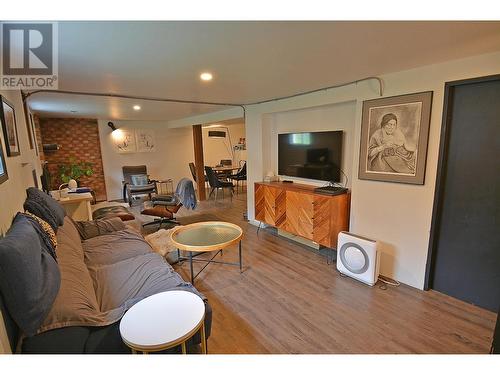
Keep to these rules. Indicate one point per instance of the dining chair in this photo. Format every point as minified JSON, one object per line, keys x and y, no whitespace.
{"x":216,"y":184}
{"x":192,"y":168}
{"x":241,"y":175}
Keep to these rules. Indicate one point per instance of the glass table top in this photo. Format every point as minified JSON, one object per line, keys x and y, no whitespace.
{"x":207,"y":234}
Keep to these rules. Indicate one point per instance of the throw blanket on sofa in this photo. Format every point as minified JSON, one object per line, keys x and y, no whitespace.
{"x":104,"y":276}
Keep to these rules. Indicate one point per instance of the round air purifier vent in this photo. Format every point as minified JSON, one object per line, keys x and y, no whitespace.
{"x":354,"y":258}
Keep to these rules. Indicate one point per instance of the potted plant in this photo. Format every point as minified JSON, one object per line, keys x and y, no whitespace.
{"x":75,"y":170}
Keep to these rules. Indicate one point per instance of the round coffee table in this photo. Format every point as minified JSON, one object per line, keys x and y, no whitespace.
{"x":207,"y":236}
{"x":164,"y":320}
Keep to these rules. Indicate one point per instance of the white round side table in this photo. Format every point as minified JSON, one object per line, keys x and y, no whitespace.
{"x":164,"y":320}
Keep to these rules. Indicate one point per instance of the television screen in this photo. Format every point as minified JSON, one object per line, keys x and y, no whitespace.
{"x":315,"y":155}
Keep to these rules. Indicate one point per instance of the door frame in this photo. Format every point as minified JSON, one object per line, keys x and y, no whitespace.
{"x":449,"y":89}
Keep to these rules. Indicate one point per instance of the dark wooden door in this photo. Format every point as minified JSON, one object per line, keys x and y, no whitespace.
{"x":495,"y":345}
{"x":465,"y":236}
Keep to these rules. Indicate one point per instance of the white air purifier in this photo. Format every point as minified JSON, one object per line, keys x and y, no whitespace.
{"x":358,"y":258}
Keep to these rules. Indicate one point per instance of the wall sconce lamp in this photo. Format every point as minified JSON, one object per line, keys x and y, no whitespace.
{"x":112,"y":126}
{"x":116,"y":133}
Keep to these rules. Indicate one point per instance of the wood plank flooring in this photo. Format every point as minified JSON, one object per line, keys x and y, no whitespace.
{"x":289,"y":300}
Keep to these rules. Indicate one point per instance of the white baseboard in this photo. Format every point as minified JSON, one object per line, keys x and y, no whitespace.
{"x":256,"y":223}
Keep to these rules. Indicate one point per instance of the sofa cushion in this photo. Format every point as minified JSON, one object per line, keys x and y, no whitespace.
{"x":43,"y":205}
{"x":76,"y":299}
{"x":29,"y":275}
{"x":94,"y":228}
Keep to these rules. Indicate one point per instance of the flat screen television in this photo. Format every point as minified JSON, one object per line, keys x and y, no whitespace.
{"x":314,"y":155}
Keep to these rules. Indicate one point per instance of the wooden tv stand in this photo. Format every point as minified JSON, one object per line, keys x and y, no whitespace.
{"x":297,"y":209}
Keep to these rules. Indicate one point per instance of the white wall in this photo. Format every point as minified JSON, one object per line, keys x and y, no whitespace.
{"x":216,"y":149}
{"x":174,"y":151}
{"x":338,"y":116}
{"x":12,"y":191}
{"x":399,"y":215}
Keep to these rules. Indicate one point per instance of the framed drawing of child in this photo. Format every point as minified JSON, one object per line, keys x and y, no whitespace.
{"x":394,"y":134}
{"x":3,"y":167}
{"x":9,"y":127}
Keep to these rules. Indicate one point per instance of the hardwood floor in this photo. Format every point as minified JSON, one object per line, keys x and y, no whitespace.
{"x":289,"y":300}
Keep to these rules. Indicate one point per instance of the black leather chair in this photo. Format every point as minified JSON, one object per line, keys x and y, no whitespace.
{"x":241,"y":175}
{"x":216,"y":184}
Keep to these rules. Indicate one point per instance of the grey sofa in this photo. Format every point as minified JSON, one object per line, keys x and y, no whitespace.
{"x":104,"y":267}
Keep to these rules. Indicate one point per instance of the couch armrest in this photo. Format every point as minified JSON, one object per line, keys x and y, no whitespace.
{"x":98,"y":227}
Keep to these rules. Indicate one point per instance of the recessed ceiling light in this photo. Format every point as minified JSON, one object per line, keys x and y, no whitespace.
{"x":136,"y":107}
{"x":206,"y":76}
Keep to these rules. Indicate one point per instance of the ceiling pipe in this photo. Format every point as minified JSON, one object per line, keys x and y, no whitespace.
{"x":185,"y":101}
{"x":122,"y":96}
{"x":379,"y":80}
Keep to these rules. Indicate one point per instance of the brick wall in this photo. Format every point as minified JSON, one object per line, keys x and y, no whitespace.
{"x":77,"y":138}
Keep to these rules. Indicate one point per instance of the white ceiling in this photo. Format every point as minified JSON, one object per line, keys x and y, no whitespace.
{"x":250,"y":61}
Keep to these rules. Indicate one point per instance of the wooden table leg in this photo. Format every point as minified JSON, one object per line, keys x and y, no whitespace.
{"x":89,"y":211}
{"x":183,"y":346}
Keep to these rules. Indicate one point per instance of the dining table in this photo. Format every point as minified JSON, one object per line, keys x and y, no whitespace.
{"x":225,"y":168}
{"x":225,"y":171}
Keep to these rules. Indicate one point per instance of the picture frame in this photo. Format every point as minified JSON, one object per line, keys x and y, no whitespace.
{"x":145,"y":139}
{"x":125,"y":141}
{"x":9,"y":128}
{"x":33,"y":132}
{"x":3,"y":165}
{"x":394,"y":137}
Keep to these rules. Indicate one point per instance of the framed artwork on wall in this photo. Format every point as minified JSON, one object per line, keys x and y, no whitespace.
{"x":394,"y":135}
{"x":9,"y":128}
{"x":145,"y":140}
{"x":33,"y":132}
{"x":3,"y":167}
{"x":125,"y":141}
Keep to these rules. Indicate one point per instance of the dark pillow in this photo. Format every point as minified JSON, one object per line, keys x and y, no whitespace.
{"x":40,"y":210}
{"x":98,"y":227}
{"x":113,"y":211}
{"x":43,"y":205}
{"x":29,"y":276}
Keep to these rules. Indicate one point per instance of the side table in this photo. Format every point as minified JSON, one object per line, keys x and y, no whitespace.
{"x":163,"y":321}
